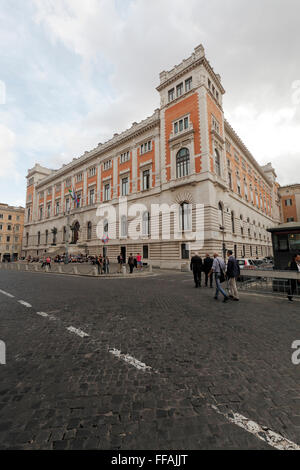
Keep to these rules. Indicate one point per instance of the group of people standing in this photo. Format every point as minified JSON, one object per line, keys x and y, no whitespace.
{"x":102,"y":263}
{"x":216,"y":268}
{"x":133,"y":262}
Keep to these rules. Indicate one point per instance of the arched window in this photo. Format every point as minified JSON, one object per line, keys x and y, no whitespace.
{"x":89,"y":230}
{"x":217,"y":163}
{"x":27,"y":238}
{"x":146,"y":224}
{"x":64,"y":234}
{"x":185,"y":216}
{"x":123,"y":226}
{"x":221,"y":215}
{"x":182,"y":163}
{"x":46,"y":237}
{"x":232,"y":222}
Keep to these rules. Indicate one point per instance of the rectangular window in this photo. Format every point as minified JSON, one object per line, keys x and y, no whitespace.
{"x":41,"y":213}
{"x":57,"y":208}
{"x":288,"y":202}
{"x":92,"y":196}
{"x":92,"y":171}
{"x":188,"y":84}
{"x":230,"y":180}
{"x":179,"y":90}
{"x":185,"y":252}
{"x":106,"y":192}
{"x":290,"y":219}
{"x":180,"y":125}
{"x":125,"y":187}
{"x":17,"y":228}
{"x":146,"y":179}
{"x":171,"y":95}
{"x":9,"y":217}
{"x":176,"y":127}
{"x":145,"y":251}
{"x":0,"y":226}
{"x":8,"y":239}
{"x":58,"y":188}
{"x":68,"y":182}
{"x":186,"y":122}
{"x":124,"y":157}
{"x":9,"y":227}
{"x":215,"y":124}
{"x":107,"y":165}
{"x":79,"y":177}
{"x":49,"y":191}
{"x":48,"y":210}
{"x":67,"y":205}
{"x":1,"y":216}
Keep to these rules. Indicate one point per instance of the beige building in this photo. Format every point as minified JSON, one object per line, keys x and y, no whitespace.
{"x":290,"y":203}
{"x":185,"y":154}
{"x":11,"y":231}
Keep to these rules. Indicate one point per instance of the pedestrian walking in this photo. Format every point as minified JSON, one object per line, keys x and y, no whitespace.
{"x":106,"y":260}
{"x":139,"y":261}
{"x":294,"y":266}
{"x":233,"y":272}
{"x":196,"y":267}
{"x":131,"y":263}
{"x":48,"y":262}
{"x":120,"y":262}
{"x":219,"y":268}
{"x":207,"y":265}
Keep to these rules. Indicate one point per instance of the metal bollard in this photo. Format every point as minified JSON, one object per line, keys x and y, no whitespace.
{"x":75,"y":270}
{"x":95,"y":270}
{"x":124,"y":271}
{"x":46,"y":269}
{"x":150,"y":268}
{"x":26,"y":267}
{"x":59,"y":268}
{"x":36,"y":267}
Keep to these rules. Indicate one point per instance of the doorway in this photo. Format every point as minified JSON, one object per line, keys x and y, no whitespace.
{"x":123,"y":251}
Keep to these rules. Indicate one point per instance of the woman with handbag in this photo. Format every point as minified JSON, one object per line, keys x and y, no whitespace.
{"x":219,"y":268}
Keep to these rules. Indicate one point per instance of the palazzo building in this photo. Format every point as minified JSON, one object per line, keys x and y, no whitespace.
{"x":290,"y":203}
{"x":187,"y":154}
{"x":11,"y":232}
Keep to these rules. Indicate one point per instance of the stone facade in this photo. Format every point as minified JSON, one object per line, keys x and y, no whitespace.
{"x":185,"y":153}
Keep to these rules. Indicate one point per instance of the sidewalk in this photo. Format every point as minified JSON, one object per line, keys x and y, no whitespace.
{"x":77,"y":269}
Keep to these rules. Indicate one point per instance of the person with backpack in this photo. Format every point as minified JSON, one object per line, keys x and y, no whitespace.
{"x":218,"y":269}
{"x":233,"y":272}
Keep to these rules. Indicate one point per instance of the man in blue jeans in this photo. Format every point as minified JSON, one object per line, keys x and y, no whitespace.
{"x":217,"y":267}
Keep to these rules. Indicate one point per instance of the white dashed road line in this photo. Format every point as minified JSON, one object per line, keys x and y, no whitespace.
{"x":7,"y":294}
{"x":78,"y":332}
{"x":25,"y":304}
{"x":267,"y":435}
{"x":130,"y":360}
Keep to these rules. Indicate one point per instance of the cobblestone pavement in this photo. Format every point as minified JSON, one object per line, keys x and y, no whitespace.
{"x":59,"y":390}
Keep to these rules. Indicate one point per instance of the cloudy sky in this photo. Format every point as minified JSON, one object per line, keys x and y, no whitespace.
{"x":73,"y":73}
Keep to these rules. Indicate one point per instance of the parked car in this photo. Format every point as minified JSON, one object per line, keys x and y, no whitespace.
{"x":246,"y":263}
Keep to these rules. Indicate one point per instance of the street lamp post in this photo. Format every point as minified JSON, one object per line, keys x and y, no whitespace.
{"x":67,"y":238}
{"x":222,"y":228}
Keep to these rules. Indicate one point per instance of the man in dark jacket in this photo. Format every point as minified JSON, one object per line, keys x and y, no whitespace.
{"x":207,"y":265}
{"x":294,"y":266}
{"x":196,"y":267}
{"x":233,"y":272}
